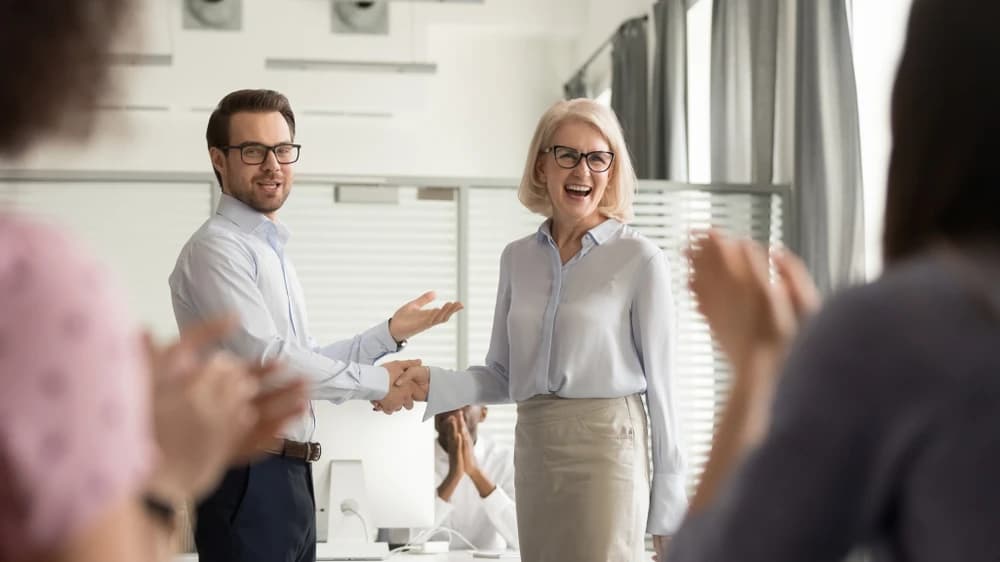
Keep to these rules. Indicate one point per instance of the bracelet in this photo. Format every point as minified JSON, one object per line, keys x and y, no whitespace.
{"x":161,"y":510}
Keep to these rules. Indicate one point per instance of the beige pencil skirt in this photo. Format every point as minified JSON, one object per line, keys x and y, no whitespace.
{"x":582,"y":479}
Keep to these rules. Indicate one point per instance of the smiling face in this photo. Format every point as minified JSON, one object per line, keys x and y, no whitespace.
{"x":263,"y":187}
{"x":577,"y":192}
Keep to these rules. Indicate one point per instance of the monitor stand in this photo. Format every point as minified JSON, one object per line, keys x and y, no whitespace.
{"x":351,"y":550}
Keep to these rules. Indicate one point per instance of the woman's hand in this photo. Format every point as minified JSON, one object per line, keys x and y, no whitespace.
{"x":729,"y":279}
{"x":752,"y":319}
{"x":753,"y":322}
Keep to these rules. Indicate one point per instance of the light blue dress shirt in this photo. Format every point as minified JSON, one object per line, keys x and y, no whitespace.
{"x":599,"y":326}
{"x":236,"y":264}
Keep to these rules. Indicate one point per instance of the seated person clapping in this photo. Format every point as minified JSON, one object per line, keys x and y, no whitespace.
{"x":475,"y":486}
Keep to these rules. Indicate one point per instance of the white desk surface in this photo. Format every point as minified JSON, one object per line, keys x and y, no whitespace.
{"x":456,"y":556}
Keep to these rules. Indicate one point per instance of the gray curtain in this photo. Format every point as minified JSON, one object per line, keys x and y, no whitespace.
{"x":576,"y":87}
{"x":828,"y":180}
{"x":825,"y":145}
{"x":744,"y":51}
{"x":668,"y":150}
{"x":629,"y":83}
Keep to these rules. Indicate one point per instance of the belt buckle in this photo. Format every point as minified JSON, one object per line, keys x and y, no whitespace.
{"x":315,"y":451}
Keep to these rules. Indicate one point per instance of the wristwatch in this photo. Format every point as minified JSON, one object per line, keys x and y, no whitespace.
{"x":399,"y":344}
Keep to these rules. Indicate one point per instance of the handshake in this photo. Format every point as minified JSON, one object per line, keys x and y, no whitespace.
{"x":408,"y":382}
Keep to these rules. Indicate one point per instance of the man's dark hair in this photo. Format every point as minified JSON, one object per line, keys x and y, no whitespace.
{"x":253,"y":101}
{"x":944,"y":177}
{"x":53,"y":63}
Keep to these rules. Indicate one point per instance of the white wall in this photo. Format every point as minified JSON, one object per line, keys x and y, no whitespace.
{"x":497,"y":62}
{"x":879,"y":29}
{"x":602,"y":18}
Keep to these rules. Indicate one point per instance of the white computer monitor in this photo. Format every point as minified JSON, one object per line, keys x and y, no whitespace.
{"x":397,"y":462}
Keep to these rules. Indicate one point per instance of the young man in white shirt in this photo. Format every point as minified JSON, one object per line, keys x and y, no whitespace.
{"x":475,"y":478}
{"x":236,"y":263}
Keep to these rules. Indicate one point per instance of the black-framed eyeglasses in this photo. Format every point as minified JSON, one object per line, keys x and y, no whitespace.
{"x":254,"y":153}
{"x":598,"y":161}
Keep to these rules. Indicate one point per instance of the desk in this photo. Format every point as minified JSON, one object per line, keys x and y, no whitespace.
{"x":456,"y":556}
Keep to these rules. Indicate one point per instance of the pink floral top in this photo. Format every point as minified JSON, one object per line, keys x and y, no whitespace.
{"x":75,"y":428}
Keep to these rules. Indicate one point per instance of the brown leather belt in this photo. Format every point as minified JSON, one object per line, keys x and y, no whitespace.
{"x":308,"y":452}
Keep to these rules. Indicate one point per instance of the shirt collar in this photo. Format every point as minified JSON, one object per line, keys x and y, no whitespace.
{"x":250,"y":221}
{"x":545,"y":231}
{"x":598,"y":235}
{"x":603,"y":232}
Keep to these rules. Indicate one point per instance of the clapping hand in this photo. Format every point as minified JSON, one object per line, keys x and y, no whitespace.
{"x":457,"y":456}
{"x":456,"y":450}
{"x":753,"y":320}
{"x":209,"y":410}
{"x":747,"y":314}
{"x":467,"y":446}
{"x":275,"y":407}
{"x":462,"y":462}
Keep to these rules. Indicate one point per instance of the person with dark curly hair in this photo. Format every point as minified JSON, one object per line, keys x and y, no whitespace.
{"x":54,"y":64}
{"x":102,"y":435}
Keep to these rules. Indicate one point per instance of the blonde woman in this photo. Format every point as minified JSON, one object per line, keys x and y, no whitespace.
{"x":581,"y":331}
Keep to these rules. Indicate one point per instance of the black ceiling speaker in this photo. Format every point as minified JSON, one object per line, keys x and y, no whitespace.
{"x":371,"y":17}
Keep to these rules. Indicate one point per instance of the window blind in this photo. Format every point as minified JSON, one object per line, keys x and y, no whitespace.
{"x":361,"y":257}
{"x":136,"y":228}
{"x":701,"y":374}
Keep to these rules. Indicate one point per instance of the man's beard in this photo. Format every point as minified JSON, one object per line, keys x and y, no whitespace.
{"x":251,"y":198}
{"x":268,"y":206}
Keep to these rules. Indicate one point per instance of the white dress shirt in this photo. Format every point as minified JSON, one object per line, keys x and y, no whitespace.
{"x":489,"y":523}
{"x":235,"y":264}
{"x":599,"y":326}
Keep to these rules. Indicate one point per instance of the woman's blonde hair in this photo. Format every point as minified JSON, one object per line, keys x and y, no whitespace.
{"x":618,"y":197}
